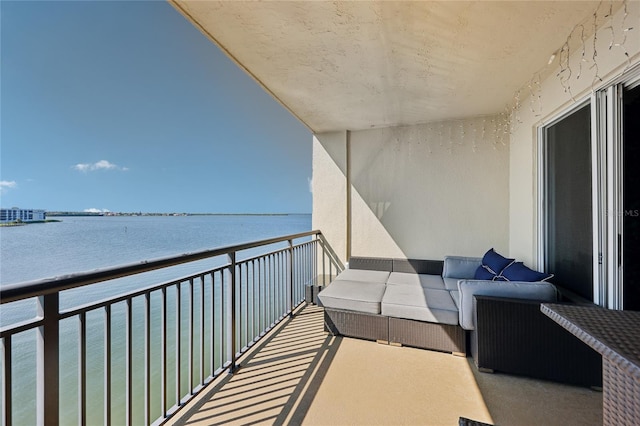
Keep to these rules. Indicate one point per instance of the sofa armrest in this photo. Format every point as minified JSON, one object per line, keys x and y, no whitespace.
{"x":460,"y":267}
{"x":539,"y":290}
{"x":514,"y":336}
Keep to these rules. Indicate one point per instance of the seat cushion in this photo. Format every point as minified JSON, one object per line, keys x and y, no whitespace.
{"x":451,"y":283}
{"x":363,"y":275}
{"x":353,"y":296}
{"x":419,"y":280}
{"x":419,"y":303}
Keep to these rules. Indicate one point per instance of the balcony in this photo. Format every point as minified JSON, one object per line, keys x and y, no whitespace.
{"x":164,"y":353}
{"x":301,"y":375}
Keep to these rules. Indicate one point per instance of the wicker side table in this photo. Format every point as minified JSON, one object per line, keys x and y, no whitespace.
{"x":616,"y":336}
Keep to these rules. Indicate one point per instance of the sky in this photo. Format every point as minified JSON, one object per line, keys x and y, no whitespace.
{"x":124,"y":106}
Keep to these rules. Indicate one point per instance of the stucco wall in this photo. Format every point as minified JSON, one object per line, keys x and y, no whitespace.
{"x":329,"y":187}
{"x":553,"y":101}
{"x":421,"y":191}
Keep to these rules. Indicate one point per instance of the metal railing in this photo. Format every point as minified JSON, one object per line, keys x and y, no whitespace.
{"x":150,"y":350}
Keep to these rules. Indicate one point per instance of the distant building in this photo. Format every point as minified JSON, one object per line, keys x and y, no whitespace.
{"x":15,"y":214}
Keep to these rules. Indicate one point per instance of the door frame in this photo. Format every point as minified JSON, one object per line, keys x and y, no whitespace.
{"x":607,"y":177}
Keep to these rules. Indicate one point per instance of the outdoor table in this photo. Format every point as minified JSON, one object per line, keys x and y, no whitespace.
{"x":616,"y":336}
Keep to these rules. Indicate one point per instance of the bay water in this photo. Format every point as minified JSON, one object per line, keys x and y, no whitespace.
{"x":77,"y":244}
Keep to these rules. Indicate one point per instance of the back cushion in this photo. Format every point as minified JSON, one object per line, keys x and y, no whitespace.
{"x":460,"y":267}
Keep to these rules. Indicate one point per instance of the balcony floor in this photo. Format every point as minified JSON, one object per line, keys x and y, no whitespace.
{"x":300,"y":375}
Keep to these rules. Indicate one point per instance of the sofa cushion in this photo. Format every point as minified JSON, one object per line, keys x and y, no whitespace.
{"x":542,"y":291}
{"x":363,"y":275}
{"x":419,"y":280}
{"x":518,"y":272}
{"x":495,"y":262}
{"x":353,"y":296}
{"x":451,"y":283}
{"x":419,"y":303}
{"x":455,"y":295}
{"x":460,"y":267}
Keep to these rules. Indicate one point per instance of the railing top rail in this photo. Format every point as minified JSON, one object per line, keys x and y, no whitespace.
{"x":41,"y":287}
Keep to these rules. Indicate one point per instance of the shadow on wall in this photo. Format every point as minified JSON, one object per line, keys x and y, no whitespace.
{"x":425,"y":191}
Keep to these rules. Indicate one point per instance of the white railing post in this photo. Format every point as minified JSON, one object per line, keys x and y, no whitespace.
{"x":48,"y":360}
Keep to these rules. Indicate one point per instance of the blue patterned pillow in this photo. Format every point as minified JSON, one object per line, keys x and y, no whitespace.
{"x":518,"y":272}
{"x":495,"y":262}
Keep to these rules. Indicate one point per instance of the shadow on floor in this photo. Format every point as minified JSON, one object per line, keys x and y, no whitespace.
{"x":276,"y":383}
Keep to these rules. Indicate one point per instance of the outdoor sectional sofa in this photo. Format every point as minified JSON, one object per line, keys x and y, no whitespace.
{"x":439,"y":305}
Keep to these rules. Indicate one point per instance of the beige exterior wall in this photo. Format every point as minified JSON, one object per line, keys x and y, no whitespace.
{"x":329,"y":187}
{"x":554,"y":101}
{"x":421,"y":191}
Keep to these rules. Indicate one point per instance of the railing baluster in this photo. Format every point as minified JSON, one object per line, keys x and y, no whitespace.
{"x":324,"y":273}
{"x":223,"y":319}
{"x":274,"y":271}
{"x":129,"y":362}
{"x":212,"y":321}
{"x":290,"y":279}
{"x":178,"y":344}
{"x":256,"y":302}
{"x":6,"y":376}
{"x":246,"y":308}
{"x":82,"y":368}
{"x":273,"y":285}
{"x":239,"y":310}
{"x":163,"y":352}
{"x":190,"y":351}
{"x":232,"y":318}
{"x":202,"y":376}
{"x":282,"y":287}
{"x":48,"y":361}
{"x":147,"y":359}
{"x":260,"y":298}
{"x":107,"y":365}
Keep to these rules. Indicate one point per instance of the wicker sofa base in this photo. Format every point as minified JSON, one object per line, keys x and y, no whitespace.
{"x":356,"y":324}
{"x":513,"y":336}
{"x":426,"y":335}
{"x":420,"y":334}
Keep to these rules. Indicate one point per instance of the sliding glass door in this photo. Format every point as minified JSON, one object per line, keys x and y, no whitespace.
{"x":630,"y":236}
{"x":589,"y":207}
{"x":568,"y":245}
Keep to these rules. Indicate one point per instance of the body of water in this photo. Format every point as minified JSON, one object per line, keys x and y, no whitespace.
{"x":79,"y":244}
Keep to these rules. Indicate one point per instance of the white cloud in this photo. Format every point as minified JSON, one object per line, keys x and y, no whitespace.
{"x":7,"y":184}
{"x":98,"y":165}
{"x":94,"y":210}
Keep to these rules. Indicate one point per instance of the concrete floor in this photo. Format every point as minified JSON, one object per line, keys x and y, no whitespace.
{"x":300,"y":375}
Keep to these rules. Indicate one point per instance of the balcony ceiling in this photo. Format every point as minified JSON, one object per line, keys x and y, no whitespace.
{"x":357,"y":65}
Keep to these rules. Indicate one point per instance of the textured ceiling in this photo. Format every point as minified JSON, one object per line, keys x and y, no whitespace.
{"x":357,"y":65}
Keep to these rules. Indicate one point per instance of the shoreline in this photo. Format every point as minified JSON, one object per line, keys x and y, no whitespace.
{"x":12,"y":224}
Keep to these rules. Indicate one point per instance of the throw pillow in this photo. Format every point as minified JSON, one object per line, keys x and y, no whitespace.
{"x":518,"y":272}
{"x":483,"y":273}
{"x":495,"y":262}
